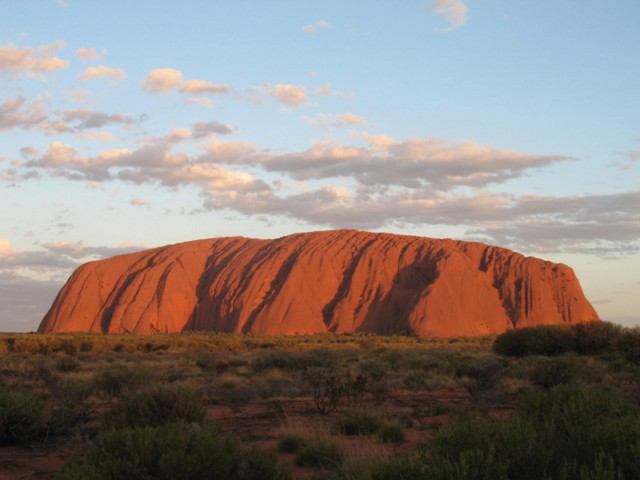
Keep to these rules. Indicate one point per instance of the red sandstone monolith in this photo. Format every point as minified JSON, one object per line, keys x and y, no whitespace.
{"x":337,"y":281}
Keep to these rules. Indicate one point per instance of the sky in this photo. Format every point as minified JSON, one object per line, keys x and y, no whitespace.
{"x":129,"y":125}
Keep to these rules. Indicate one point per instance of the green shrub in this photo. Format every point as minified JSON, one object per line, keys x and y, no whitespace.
{"x":578,"y":424}
{"x":568,"y":432}
{"x":114,"y":380}
{"x":584,"y":338}
{"x":22,"y":417}
{"x":399,"y":468}
{"x":168,"y":453}
{"x":390,"y":433}
{"x":357,"y":422}
{"x":542,"y":340}
{"x":159,"y":405}
{"x":550,"y":372}
{"x":66,"y":363}
{"x":319,"y":452}
{"x":480,"y":375}
{"x":290,"y":443}
{"x":595,"y":337}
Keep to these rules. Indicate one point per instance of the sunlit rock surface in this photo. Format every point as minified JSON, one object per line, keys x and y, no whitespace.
{"x":336,"y":281}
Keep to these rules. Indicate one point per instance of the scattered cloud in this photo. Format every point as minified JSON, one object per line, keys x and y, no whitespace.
{"x":19,"y":113}
{"x":316,"y":27}
{"x":78,"y":250}
{"x":455,"y":12}
{"x":204,"y":129}
{"x":32,"y":62}
{"x":197,"y":101}
{"x":163,"y":80}
{"x":24,"y":301}
{"x":5,"y":247}
{"x":90,"y":54}
{"x":30,"y":279}
{"x":375,"y":182}
{"x":329,"y":120}
{"x":413,"y":163}
{"x":200,"y":87}
{"x":327,"y":90}
{"x":78,"y":95}
{"x":38,"y":261}
{"x":292,"y":95}
{"x":28,"y":151}
{"x":102,"y":71}
{"x":95,"y":136}
{"x":83,"y":119}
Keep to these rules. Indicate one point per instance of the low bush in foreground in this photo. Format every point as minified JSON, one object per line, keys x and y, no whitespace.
{"x":22,"y":417}
{"x":319,"y":451}
{"x":159,"y":405}
{"x":290,"y":443}
{"x":169,"y":453}
{"x":568,"y":433}
{"x":390,"y":433}
{"x":357,"y":422}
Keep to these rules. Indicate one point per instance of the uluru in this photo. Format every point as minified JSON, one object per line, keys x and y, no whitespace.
{"x":330,"y":281}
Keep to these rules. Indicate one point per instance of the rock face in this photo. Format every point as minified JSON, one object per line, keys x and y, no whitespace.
{"x":337,"y":281}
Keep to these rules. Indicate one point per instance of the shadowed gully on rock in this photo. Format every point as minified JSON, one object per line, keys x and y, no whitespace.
{"x":337,"y":281}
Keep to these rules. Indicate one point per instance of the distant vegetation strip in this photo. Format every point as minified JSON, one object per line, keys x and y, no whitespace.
{"x":73,"y":343}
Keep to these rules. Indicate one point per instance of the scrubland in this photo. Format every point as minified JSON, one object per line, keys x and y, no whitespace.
{"x":540,"y":403}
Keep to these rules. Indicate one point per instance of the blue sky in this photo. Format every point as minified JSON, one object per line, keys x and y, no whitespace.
{"x":128,"y":125}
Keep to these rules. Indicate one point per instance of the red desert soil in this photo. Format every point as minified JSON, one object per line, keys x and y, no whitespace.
{"x":337,"y":281}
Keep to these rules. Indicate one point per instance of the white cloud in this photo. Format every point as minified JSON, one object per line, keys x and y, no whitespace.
{"x":90,"y":54}
{"x":95,"y":136}
{"x":204,"y":129}
{"x":292,"y":95}
{"x":316,"y":27}
{"x":33,"y":63}
{"x":102,"y":71}
{"x":413,"y":163}
{"x":25,"y":300}
{"x":82,"y":119}
{"x":163,"y":80}
{"x":374,"y":183}
{"x":30,"y":279}
{"x":78,"y":250}
{"x":455,"y":12}
{"x":200,"y":87}
{"x":197,"y":101}
{"x":330,"y":120}
{"x":327,"y":90}
{"x":18,"y":113}
{"x":5,"y":247}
